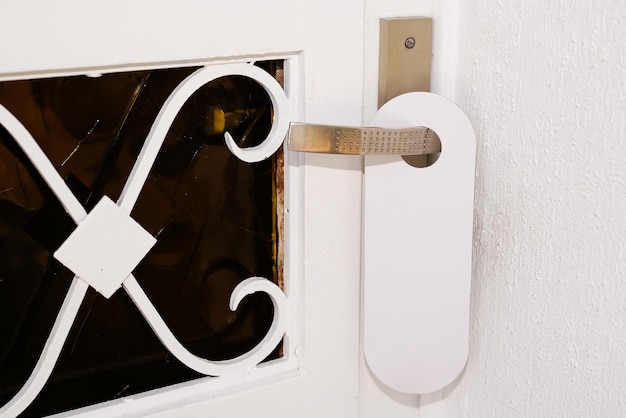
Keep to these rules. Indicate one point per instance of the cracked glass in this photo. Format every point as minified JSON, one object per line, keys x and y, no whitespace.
{"x":214,"y":217}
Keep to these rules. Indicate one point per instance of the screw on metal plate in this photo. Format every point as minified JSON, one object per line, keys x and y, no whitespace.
{"x":409,"y":42}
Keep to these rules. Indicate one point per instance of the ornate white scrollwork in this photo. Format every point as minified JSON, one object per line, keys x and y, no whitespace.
{"x":129,"y":195}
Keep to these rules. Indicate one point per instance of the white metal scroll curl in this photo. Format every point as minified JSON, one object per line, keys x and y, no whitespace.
{"x":280,"y":125}
{"x":130,"y":193}
{"x":218,"y":368}
{"x":175,"y":102}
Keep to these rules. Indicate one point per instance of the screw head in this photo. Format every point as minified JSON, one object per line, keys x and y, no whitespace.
{"x":409,"y":42}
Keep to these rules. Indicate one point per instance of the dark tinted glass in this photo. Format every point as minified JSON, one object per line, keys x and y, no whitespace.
{"x":214,"y":218}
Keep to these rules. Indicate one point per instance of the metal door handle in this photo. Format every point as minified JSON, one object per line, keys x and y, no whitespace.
{"x":305,"y":137}
{"x":416,"y":275}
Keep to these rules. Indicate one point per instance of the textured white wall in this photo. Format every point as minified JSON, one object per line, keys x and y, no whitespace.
{"x":544,"y":84}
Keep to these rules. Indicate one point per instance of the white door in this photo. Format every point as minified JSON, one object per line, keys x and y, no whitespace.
{"x":330,"y":53}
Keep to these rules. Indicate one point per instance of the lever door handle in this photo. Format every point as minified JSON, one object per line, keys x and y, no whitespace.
{"x":416,"y":274}
{"x":326,"y":139}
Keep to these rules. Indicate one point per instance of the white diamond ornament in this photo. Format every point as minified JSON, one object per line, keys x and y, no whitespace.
{"x":105,"y":247}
